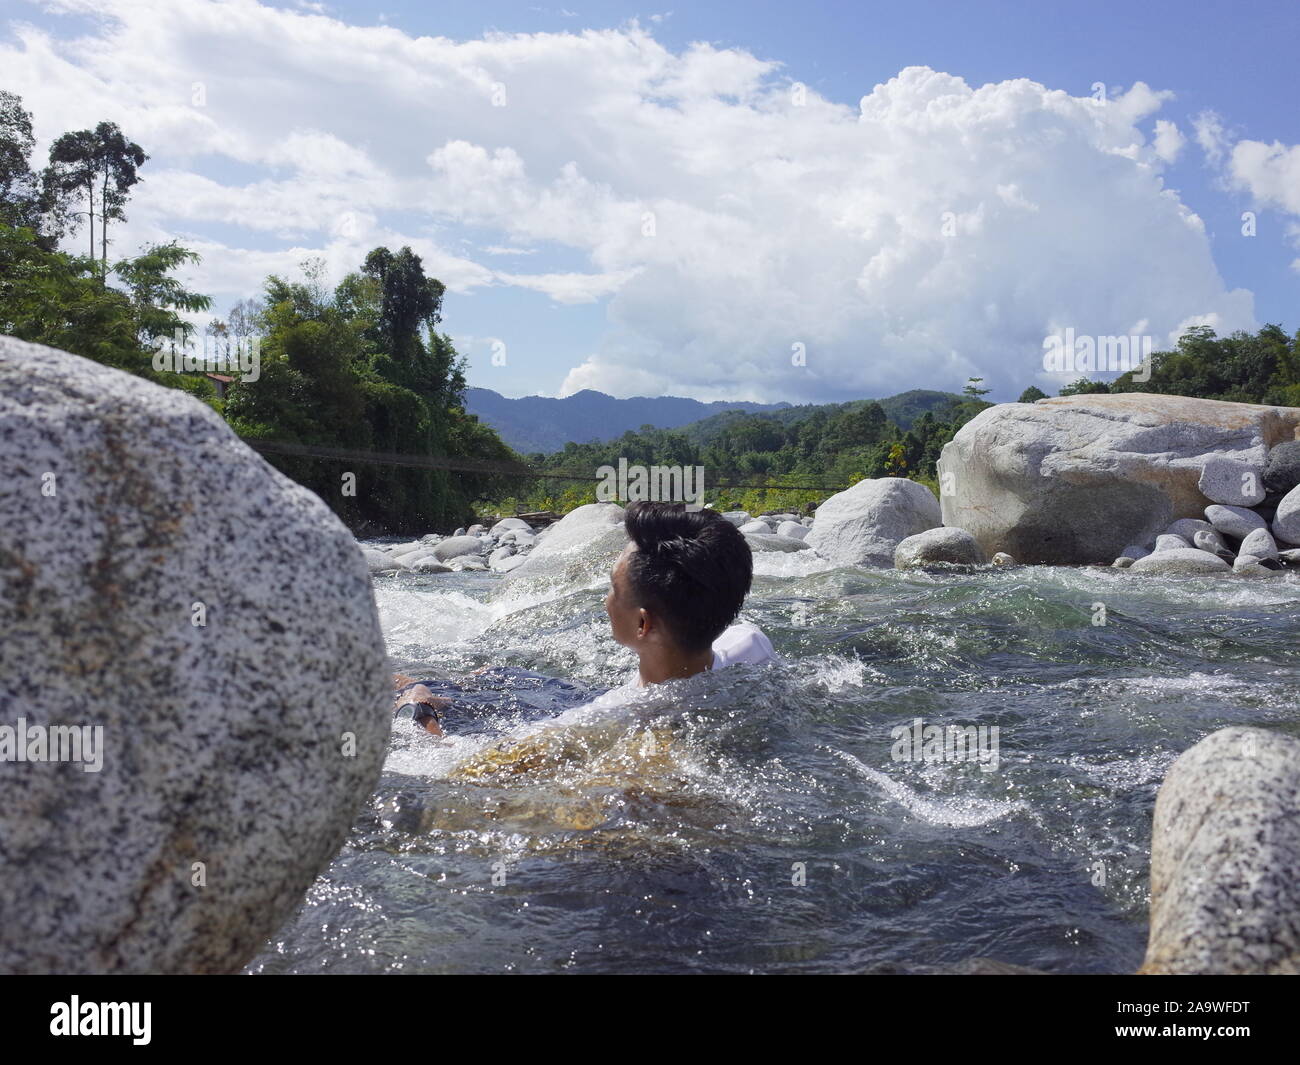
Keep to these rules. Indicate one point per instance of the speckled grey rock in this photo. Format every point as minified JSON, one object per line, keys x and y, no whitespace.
{"x":1212,"y":541}
{"x":1259,"y":543}
{"x":456,"y":546}
{"x":792,"y":528}
{"x":863,"y":525}
{"x":1187,"y":528}
{"x":1286,"y":522}
{"x":1225,"y":851}
{"x":1227,"y":479}
{"x":1169,"y":542}
{"x":1237,"y":522}
{"x":1072,"y":479}
{"x":954,"y":546}
{"x":772,"y":542}
{"x":1186,"y":560}
{"x":223,"y":743}
{"x":1123,"y":562}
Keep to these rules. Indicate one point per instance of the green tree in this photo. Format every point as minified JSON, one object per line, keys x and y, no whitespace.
{"x":1031,"y":395}
{"x":100,"y":165}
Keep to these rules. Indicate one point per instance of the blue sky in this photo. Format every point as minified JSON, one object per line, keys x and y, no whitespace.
{"x":776,"y":227}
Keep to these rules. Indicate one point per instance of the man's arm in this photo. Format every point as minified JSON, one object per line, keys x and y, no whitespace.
{"x":427,"y":706}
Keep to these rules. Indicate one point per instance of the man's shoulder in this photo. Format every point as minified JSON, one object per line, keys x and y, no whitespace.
{"x":742,"y":642}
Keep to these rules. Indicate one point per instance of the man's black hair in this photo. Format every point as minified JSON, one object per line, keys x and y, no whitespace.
{"x":694,"y":568}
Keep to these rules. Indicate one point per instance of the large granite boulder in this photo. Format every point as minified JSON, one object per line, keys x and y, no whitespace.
{"x":1225,"y":858}
{"x":1075,"y":479}
{"x":952,"y":546}
{"x":580,"y":547}
{"x":164,"y":589}
{"x":863,"y":525}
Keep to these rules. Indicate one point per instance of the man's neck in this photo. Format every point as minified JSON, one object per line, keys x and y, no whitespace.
{"x":663,"y":664}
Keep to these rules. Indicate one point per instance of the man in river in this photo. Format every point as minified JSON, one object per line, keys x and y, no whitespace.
{"x":677,"y":586}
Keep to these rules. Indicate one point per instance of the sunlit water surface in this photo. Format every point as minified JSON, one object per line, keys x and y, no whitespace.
{"x":756,"y":820}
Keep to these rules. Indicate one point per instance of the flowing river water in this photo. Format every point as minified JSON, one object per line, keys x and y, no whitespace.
{"x":762,"y":819}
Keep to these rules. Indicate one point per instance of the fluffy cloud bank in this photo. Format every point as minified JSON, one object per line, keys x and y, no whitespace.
{"x":752,"y":239}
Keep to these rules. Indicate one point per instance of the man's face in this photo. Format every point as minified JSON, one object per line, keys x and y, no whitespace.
{"x":624,"y":615}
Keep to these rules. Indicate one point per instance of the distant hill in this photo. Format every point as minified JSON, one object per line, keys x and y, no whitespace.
{"x":539,"y":423}
{"x":903,"y":410}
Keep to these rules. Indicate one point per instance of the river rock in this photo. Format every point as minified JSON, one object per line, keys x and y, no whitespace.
{"x":1226,"y":479}
{"x":457,"y":546}
{"x":756,"y":526}
{"x":1282,"y":471}
{"x":1073,"y":479}
{"x":863,"y":525}
{"x":1237,"y":522}
{"x":1186,"y":560}
{"x":792,"y":528}
{"x":1225,"y":847}
{"x":502,"y":552}
{"x":1135,"y":552}
{"x":579,"y":547}
{"x":429,"y":564}
{"x":1123,"y":562}
{"x":508,"y":524}
{"x":736,"y":517}
{"x":772,"y":542}
{"x":1260,"y":544}
{"x":511,"y":563}
{"x":378,"y":562}
{"x":955,"y":546}
{"x":247,"y":743}
{"x":1286,"y":522}
{"x":1187,"y":528}
{"x":1169,"y":542}
{"x":1003,"y":559}
{"x":1212,"y":542}
{"x":1250,"y":566}
{"x":467,"y":562}
{"x":1291,"y":556}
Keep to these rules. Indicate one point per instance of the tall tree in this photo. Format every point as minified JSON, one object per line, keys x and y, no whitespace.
{"x":20,"y":202}
{"x":99,"y":164}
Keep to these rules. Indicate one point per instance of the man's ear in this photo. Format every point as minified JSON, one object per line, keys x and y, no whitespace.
{"x":642,"y":621}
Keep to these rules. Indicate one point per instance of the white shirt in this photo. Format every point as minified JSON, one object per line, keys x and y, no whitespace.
{"x":742,"y":643}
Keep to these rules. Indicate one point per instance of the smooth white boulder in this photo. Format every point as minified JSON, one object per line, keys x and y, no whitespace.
{"x":1073,"y":479}
{"x":508,"y":524}
{"x":863,"y":525}
{"x":946,"y":545}
{"x":792,"y":528}
{"x":1169,"y":542}
{"x":578,"y":547}
{"x":1260,"y":544}
{"x":456,"y":547}
{"x":1237,"y":522}
{"x":378,"y":562}
{"x":216,"y":621}
{"x":429,"y":564}
{"x":756,"y":526}
{"x":1186,"y":560}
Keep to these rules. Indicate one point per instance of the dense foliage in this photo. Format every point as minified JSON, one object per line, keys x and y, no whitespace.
{"x":360,"y":367}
